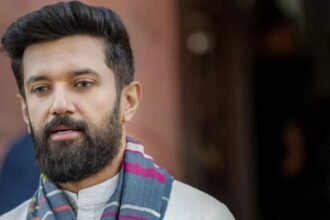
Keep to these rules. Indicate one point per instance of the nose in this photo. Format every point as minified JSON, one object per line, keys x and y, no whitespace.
{"x":62,"y":104}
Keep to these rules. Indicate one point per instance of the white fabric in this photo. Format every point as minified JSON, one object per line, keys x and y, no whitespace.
{"x":90,"y":202}
{"x":185,"y":203}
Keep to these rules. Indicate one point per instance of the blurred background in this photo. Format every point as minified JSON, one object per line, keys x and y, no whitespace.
{"x":236,"y":101}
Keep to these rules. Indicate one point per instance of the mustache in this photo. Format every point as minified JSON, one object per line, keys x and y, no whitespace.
{"x":65,"y":121}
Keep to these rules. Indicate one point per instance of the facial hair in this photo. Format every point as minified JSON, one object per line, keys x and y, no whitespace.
{"x":75,"y":160}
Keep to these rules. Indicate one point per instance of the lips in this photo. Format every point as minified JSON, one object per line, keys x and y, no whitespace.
{"x":62,"y":128}
{"x":62,"y":133}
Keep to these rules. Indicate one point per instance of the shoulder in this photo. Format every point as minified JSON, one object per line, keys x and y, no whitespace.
{"x":190,"y":203}
{"x":18,"y":213}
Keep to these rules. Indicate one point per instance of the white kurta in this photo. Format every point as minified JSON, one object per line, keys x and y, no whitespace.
{"x":185,"y":203}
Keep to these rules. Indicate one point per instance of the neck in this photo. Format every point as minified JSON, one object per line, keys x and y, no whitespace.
{"x":108,"y":172}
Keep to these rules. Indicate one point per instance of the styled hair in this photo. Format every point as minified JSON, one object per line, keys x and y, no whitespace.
{"x":64,"y":19}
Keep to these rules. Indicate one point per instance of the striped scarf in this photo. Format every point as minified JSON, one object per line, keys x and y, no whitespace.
{"x":142,"y":193}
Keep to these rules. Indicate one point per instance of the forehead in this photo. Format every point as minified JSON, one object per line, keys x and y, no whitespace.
{"x":65,"y":54}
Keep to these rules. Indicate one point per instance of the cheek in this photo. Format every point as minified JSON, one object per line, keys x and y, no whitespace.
{"x":94,"y":113}
{"x":37,"y":113}
{"x":95,"y":107}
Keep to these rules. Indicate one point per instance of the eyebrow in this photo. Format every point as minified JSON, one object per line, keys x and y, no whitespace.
{"x":33,"y":79}
{"x":85,"y":71}
{"x":75,"y":73}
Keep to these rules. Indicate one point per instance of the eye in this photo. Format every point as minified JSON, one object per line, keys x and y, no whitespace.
{"x":83,"y":84}
{"x":39,"y":90}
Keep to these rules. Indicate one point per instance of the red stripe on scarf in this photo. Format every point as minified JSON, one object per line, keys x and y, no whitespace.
{"x":122,"y":217}
{"x":144,"y":172}
{"x":107,"y":214}
{"x":130,"y":217}
{"x":62,"y":208}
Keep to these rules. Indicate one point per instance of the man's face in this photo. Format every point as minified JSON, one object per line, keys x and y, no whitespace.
{"x":71,"y":107}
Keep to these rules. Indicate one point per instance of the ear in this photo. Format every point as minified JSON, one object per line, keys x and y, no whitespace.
{"x":131,"y":96}
{"x":24,"y":111}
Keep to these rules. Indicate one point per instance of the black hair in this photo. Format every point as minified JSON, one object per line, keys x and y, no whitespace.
{"x":64,"y":19}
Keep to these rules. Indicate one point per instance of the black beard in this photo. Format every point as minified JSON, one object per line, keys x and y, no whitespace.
{"x":72,"y":161}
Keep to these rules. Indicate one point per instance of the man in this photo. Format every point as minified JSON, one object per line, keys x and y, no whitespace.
{"x":74,"y":68}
